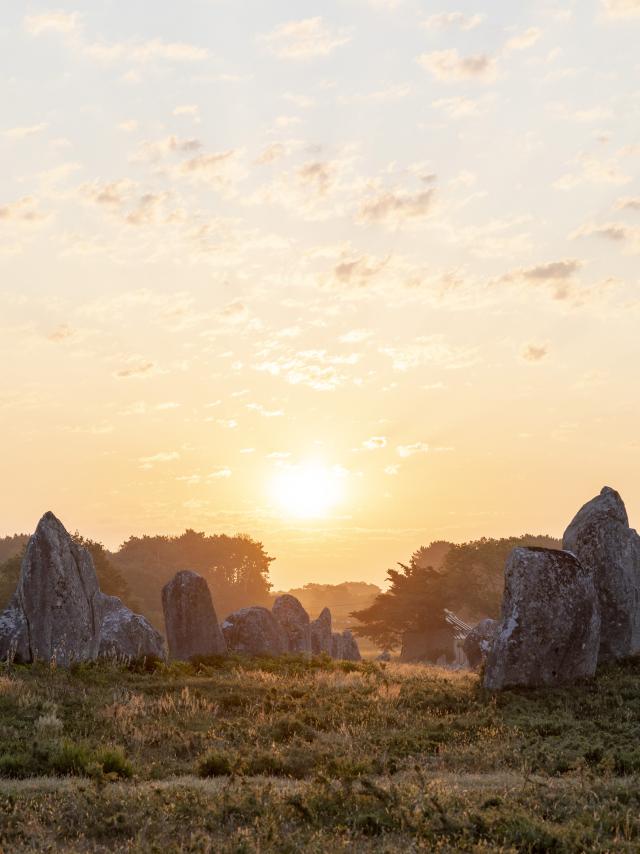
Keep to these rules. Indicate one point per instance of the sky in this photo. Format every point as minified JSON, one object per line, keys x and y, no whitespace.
{"x":347,"y":276}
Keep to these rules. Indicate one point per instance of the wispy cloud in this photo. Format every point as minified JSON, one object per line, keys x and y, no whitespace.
{"x":622,"y":8}
{"x":306,"y":39}
{"x":410,"y":450}
{"x":453,"y":20}
{"x":24,"y":131}
{"x":449,"y":65}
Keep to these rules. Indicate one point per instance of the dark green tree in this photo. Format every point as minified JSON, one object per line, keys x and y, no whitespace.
{"x":469,"y":581}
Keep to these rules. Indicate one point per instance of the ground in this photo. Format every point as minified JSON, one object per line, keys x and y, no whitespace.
{"x":286,"y":755}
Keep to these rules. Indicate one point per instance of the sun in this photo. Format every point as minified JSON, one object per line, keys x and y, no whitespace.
{"x":308,"y":490}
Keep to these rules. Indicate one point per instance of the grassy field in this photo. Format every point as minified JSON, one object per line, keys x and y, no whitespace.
{"x":287,"y":755}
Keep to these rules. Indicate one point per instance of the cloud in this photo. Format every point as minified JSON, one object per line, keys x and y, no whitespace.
{"x":395,"y":207}
{"x":357,"y":271}
{"x":25,"y":131}
{"x":140,"y":52}
{"x":461,"y":108}
{"x":375,"y":443}
{"x":426,"y":350}
{"x":409,"y":450}
{"x":392,"y":470}
{"x":553,"y":271}
{"x":60,"y":333}
{"x":523,"y":40}
{"x":453,"y":20}
{"x":356,"y":336}
{"x":593,"y":171}
{"x":162,"y":457}
{"x":615,"y":232}
{"x":628,"y":204}
{"x":136,"y":367}
{"x":449,"y":65}
{"x":535,"y":352}
{"x":622,"y":8}
{"x":261,"y":410}
{"x":24,"y":211}
{"x":306,"y":39}
{"x":316,"y":369}
{"x":144,"y":52}
{"x":57,"y":22}
{"x":191,"y":110}
{"x":220,"y":473}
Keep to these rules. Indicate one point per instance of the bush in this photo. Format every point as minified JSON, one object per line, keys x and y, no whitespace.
{"x":215,"y":764}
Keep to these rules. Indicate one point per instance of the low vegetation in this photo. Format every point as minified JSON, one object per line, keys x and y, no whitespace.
{"x":288,"y":755}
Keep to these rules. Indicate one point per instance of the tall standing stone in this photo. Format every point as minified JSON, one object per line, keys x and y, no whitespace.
{"x":321,"y":633}
{"x":549,"y":630}
{"x":602,"y":540}
{"x":254,"y":631}
{"x":190,"y":618}
{"x":295,"y":623}
{"x":55,"y":613}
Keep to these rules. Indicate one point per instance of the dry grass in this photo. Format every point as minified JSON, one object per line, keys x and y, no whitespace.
{"x":289,"y":755}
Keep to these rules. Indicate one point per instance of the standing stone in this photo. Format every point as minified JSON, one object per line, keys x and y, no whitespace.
{"x":336,"y":645}
{"x":55,"y":613}
{"x":479,"y":641}
{"x":321,"y":633}
{"x":549,"y":630}
{"x":603,"y":542}
{"x":350,"y":649}
{"x":190,"y":618}
{"x":125,"y":635}
{"x":254,"y":631}
{"x":294,"y":621}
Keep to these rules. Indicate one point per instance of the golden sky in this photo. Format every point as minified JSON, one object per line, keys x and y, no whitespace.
{"x":348,"y":277}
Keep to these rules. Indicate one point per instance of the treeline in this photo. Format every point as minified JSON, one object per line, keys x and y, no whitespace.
{"x":466,"y":578}
{"x":236,"y":569}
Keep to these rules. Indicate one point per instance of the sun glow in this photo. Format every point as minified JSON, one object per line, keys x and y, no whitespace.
{"x":309,"y":490}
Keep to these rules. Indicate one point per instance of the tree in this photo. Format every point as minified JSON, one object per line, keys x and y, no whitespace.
{"x":11,"y":546}
{"x":469,"y":581}
{"x":236,"y":568}
{"x":110,"y":578}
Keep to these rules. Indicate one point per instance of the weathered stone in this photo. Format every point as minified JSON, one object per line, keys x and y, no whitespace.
{"x":125,"y":635}
{"x":350,"y":649}
{"x":55,"y":613}
{"x":294,"y":621}
{"x":479,"y":641}
{"x":549,"y":629}
{"x":190,"y":618}
{"x":254,"y":631}
{"x":321,"y":633}
{"x":336,"y":645}
{"x":14,"y":641}
{"x":603,"y":542}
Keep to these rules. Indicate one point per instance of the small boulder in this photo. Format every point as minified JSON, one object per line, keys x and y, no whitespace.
{"x":600,"y":537}
{"x":126,"y":635}
{"x":55,"y":613}
{"x":321,"y":633}
{"x":350,"y":649}
{"x":295,"y":623}
{"x":549,"y":630}
{"x":479,"y":641}
{"x":190,"y":618}
{"x":254,"y":631}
